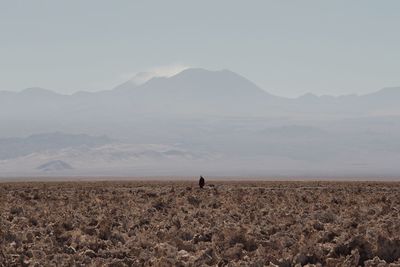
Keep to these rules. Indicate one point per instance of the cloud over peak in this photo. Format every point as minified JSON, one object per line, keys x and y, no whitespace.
{"x":159,"y":71}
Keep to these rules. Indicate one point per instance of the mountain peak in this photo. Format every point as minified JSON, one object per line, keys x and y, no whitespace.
{"x":54,"y":165}
{"x":205,"y":72}
{"x":214,"y":84}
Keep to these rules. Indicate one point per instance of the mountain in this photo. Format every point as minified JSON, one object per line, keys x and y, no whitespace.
{"x":194,"y":107}
{"x":17,"y":147}
{"x":224,"y":147}
{"x":114,"y":158}
{"x":382,"y":102}
{"x":38,"y":92}
{"x":55,"y":165}
{"x":385,"y":94}
{"x":199,"y":91}
{"x":204,"y":84}
{"x":124,"y":87}
{"x":198,"y":121}
{"x":191,"y":93}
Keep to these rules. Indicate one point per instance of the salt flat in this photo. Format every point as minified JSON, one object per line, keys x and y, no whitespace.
{"x":174,"y":223}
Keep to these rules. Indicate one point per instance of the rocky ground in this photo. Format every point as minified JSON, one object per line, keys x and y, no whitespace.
{"x":177,"y":224}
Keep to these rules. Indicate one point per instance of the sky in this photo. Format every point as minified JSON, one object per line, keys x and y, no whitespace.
{"x":288,"y":48}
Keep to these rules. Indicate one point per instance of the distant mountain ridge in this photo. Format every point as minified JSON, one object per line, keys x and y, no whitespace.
{"x":198,"y":121}
{"x":17,"y":147}
{"x":54,"y":166}
{"x":191,"y":94}
{"x":201,"y":78}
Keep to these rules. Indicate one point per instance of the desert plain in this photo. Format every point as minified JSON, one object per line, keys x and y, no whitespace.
{"x":175,"y":223}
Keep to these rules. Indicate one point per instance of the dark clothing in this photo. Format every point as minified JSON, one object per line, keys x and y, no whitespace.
{"x":201,"y":182}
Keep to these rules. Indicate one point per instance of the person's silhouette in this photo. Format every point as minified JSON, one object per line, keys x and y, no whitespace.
{"x":201,"y":182}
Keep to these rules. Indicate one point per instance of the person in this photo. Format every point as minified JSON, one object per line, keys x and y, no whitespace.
{"x":201,"y":182}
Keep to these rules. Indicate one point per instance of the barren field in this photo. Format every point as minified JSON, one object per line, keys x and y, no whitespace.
{"x":177,"y":224}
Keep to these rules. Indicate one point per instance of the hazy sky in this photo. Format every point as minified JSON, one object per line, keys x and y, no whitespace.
{"x":286,"y":47}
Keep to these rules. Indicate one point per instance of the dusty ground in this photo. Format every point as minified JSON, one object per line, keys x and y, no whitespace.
{"x":177,"y":224}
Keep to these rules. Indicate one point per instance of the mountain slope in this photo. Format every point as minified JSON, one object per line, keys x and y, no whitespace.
{"x":199,"y":91}
{"x":55,"y":165}
{"x":17,"y":147}
{"x":190,"y":93}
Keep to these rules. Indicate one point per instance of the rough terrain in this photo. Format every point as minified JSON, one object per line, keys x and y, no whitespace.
{"x":177,"y":224}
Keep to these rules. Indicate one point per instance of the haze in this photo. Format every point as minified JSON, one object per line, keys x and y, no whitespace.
{"x":215,"y":88}
{"x":287,"y":48}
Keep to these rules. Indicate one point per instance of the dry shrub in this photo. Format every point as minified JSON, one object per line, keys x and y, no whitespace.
{"x":104,"y":229}
{"x":16,"y":210}
{"x":159,"y":204}
{"x":325,"y":216}
{"x":243,"y":224}
{"x":358,"y":242}
{"x":388,"y":249}
{"x":193,"y":201}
